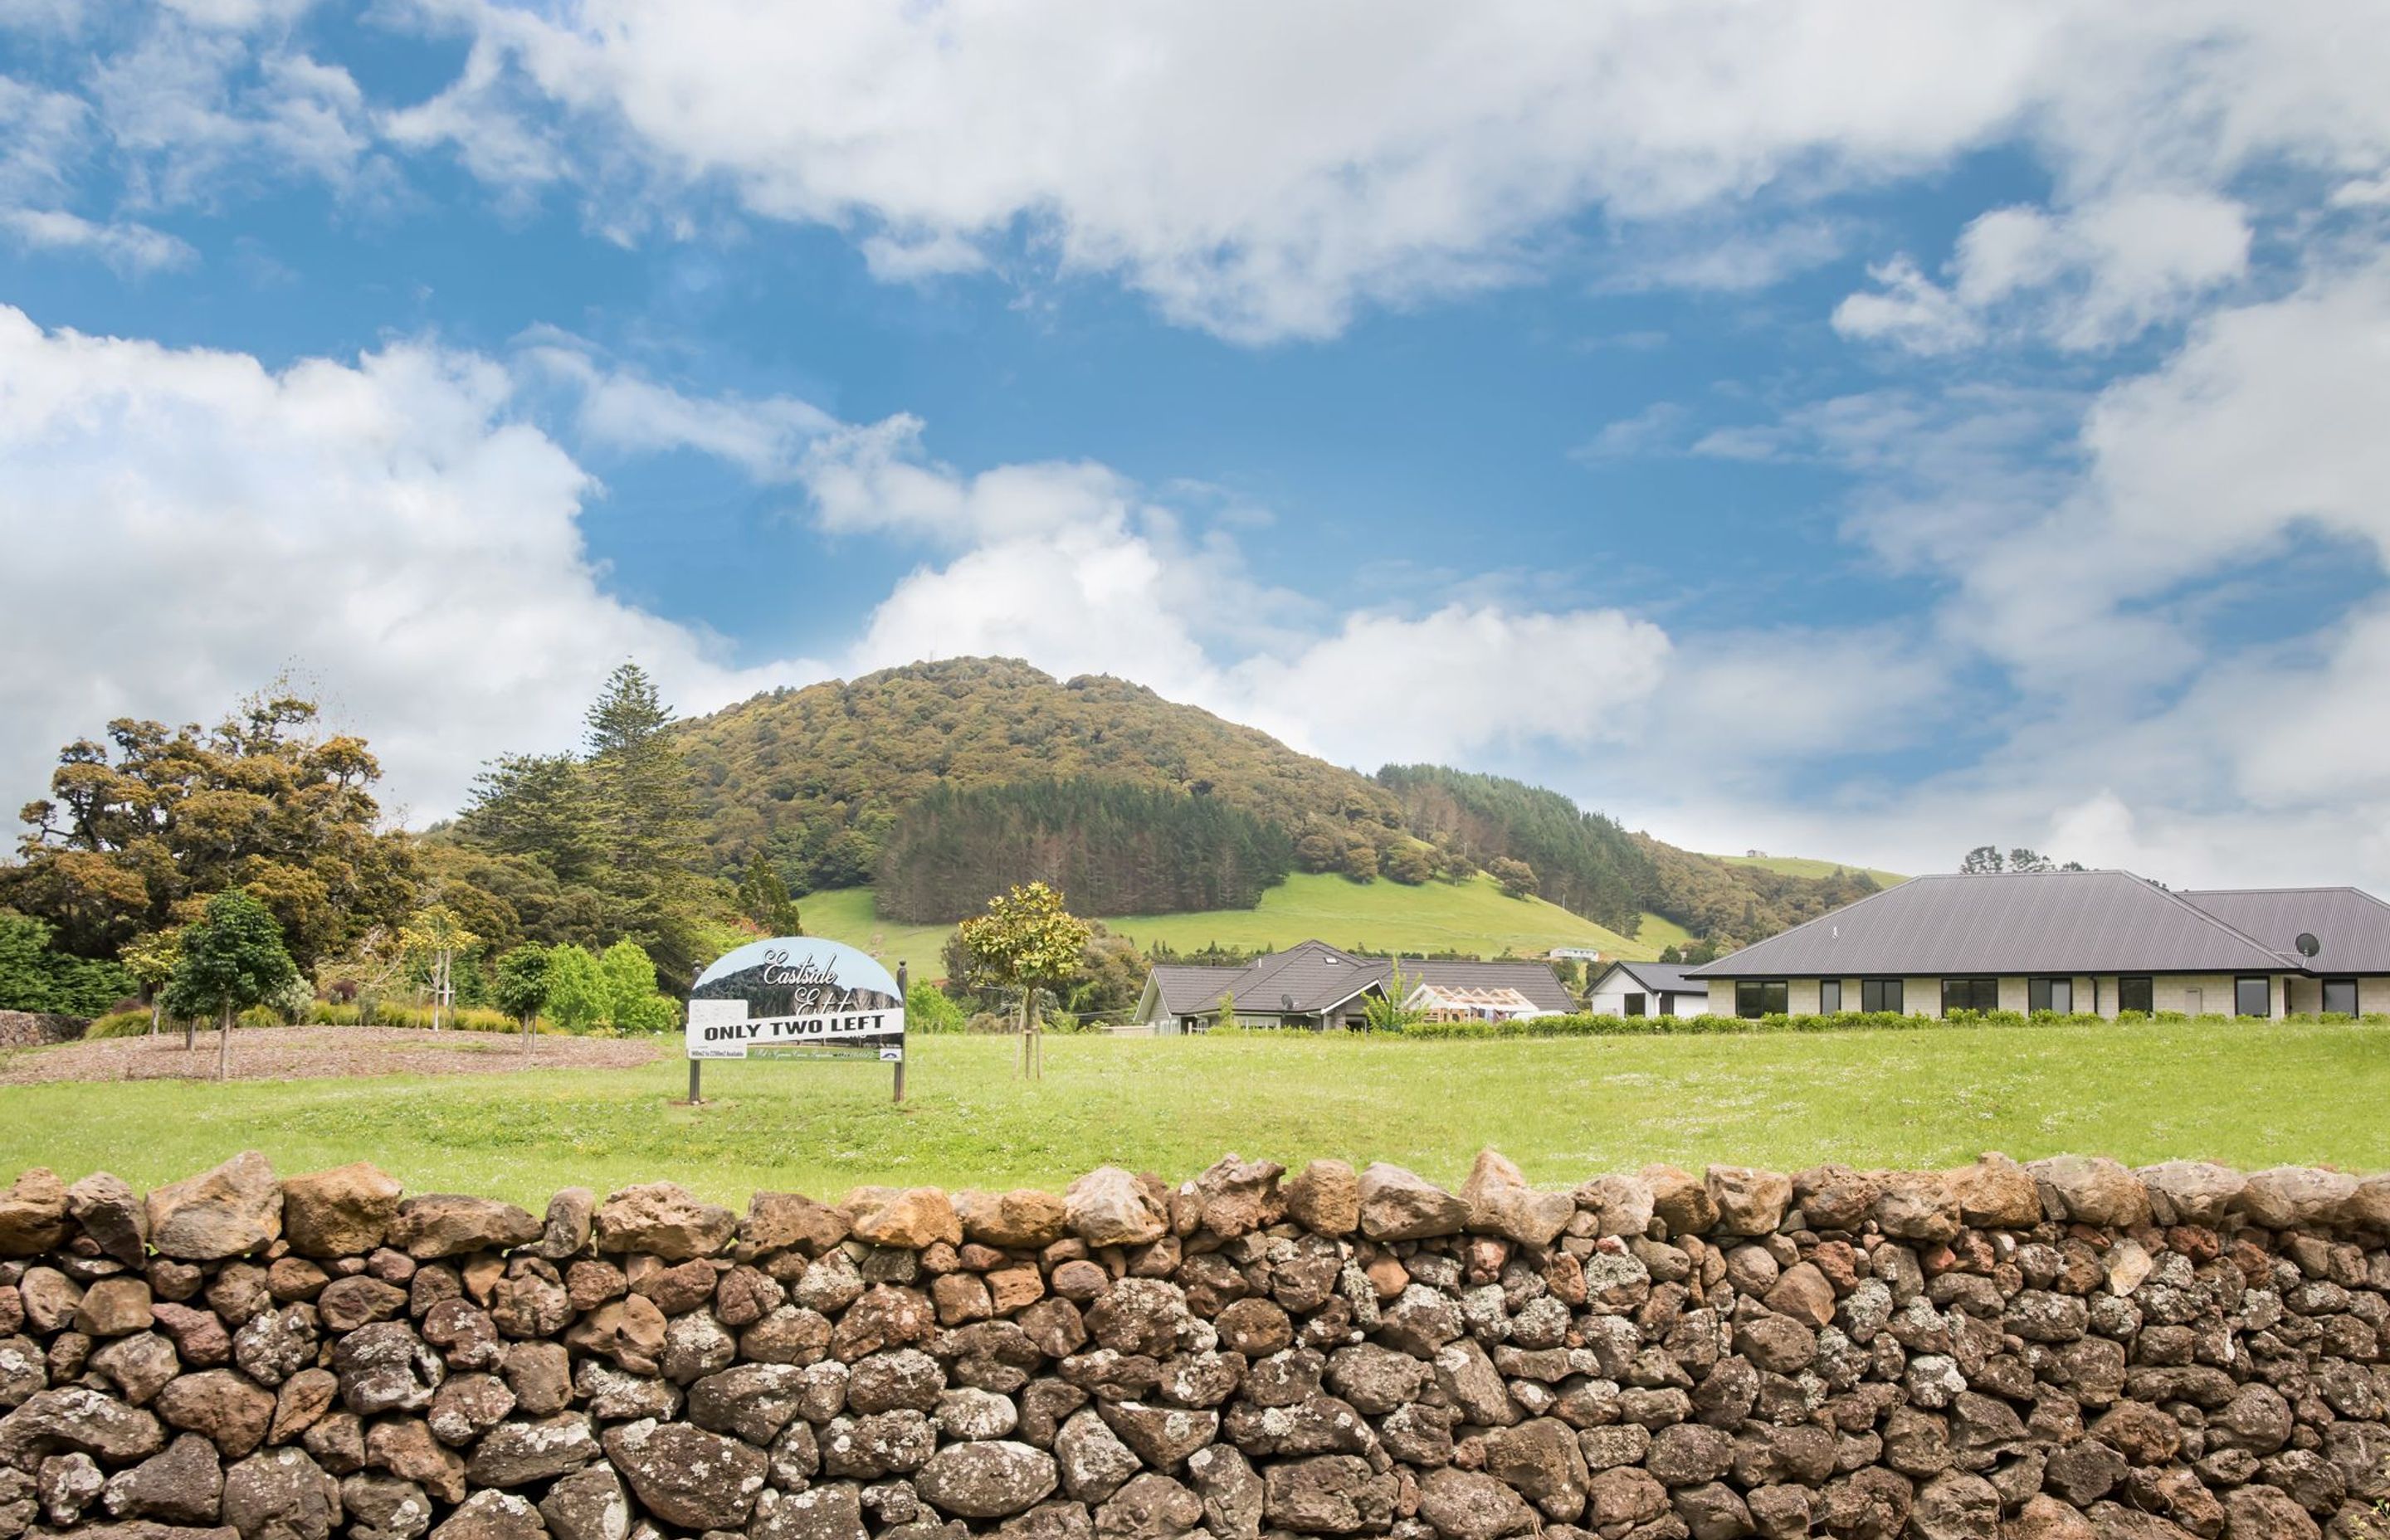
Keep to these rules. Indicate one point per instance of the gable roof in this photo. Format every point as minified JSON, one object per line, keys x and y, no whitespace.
{"x":2007,"y":923}
{"x":1659,"y":977}
{"x":2352,"y":926}
{"x":1314,"y":977}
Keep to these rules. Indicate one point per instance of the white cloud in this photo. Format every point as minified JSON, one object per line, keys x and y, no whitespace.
{"x":624,"y":411}
{"x":1383,"y":154}
{"x":128,"y":247}
{"x":389,"y":528}
{"x":2093,"y":278}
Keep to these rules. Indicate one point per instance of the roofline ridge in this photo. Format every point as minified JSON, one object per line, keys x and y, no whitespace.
{"x":1829,"y":914}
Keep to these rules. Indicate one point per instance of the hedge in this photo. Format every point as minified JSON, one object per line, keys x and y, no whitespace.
{"x":1583,"y":1025}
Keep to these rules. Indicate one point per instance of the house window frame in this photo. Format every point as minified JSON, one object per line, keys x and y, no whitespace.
{"x":2356,"y":995}
{"x":2148,"y":989}
{"x":1824,"y":1009}
{"x":1974,"y":982}
{"x":1891,"y":996}
{"x":1760,"y":988}
{"x":2240,"y":982}
{"x":2044,"y":987}
{"x":1633,"y":1003}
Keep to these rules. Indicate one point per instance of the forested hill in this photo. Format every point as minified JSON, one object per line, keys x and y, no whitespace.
{"x":938,"y":783}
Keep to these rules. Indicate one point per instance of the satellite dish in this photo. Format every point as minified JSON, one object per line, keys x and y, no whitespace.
{"x":2306,"y":943}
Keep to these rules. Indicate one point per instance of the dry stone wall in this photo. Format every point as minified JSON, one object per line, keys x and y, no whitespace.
{"x":34,"y":1029}
{"x":2054,"y":1352}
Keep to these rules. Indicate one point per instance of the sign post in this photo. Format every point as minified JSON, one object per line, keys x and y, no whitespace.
{"x":795,"y":997}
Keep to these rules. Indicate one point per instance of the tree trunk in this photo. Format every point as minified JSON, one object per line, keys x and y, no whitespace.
{"x":527,"y":1017}
{"x":156,"y":1006}
{"x":191,"y":1033}
{"x":224,"y":1045}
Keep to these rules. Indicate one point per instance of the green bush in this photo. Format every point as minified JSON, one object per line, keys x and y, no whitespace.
{"x":928,"y":1009}
{"x":120,"y":1023}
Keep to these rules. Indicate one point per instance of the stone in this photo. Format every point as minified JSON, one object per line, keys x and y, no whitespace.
{"x":114,"y":1307}
{"x":1916,"y":1205}
{"x":75,"y":1417}
{"x":1112,"y":1207}
{"x":405,"y":1448}
{"x":2190,"y":1192}
{"x":184,"y":1484}
{"x":1469,"y":1505}
{"x":1542,"y":1460}
{"x":1329,"y":1495}
{"x":2092,"y":1191}
{"x":989,"y":1479}
{"x":386,"y":1368}
{"x":281,"y":1494}
{"x":907,"y":1217}
{"x":1748,"y":1202}
{"x":2044,"y":1518}
{"x":1680,"y":1199}
{"x":1620,"y":1205}
{"x":587,"y":1505}
{"x":109,"y":1212}
{"x":785,"y":1221}
{"x":305,"y":1396}
{"x":1325,"y":1197}
{"x":1804,"y":1295}
{"x":662,"y":1219}
{"x":753,"y":1400}
{"x":1232,"y":1493}
{"x":48,"y":1299}
{"x":1162,"y":1436}
{"x":198,"y":1335}
{"x":535,"y":1449}
{"x":33,"y":1213}
{"x":1500,"y":1202}
{"x":1149,"y":1507}
{"x":451,"y":1224}
{"x":66,"y":1485}
{"x":234,"y":1413}
{"x":274,"y":1344}
{"x":341,"y":1212}
{"x":1023,"y":1219}
{"x":686,"y":1476}
{"x":1956,"y":1506}
{"x":1994,"y":1193}
{"x":2266,"y":1513}
{"x":1091,"y":1460}
{"x":231,"y":1211}
{"x":382,"y":1506}
{"x":1237,"y":1197}
{"x":2295,"y":1198}
{"x":1397,"y":1205}
{"x":492,"y":1516}
{"x":970,"y":1412}
{"x":140,"y":1366}
{"x":829,"y":1512}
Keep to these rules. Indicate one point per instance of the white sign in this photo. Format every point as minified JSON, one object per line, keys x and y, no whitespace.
{"x":1586,"y":953}
{"x":795,"y":993}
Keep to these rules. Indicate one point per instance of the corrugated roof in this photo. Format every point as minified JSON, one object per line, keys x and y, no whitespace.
{"x":2009,"y":922}
{"x":2352,"y":927}
{"x":1190,"y":987}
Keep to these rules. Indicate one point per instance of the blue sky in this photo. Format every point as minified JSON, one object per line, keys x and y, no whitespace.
{"x":1832,"y":429}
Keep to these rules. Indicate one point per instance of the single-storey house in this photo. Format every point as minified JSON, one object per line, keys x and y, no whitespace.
{"x":1647,"y":989}
{"x":2095,"y":943}
{"x":1315,"y":986}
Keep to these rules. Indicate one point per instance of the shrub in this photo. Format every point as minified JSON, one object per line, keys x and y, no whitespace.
{"x":1582,"y":1026}
{"x":928,"y":1009}
{"x":120,"y":1023}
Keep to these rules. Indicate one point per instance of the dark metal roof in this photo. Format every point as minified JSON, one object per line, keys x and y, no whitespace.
{"x":2352,"y":927}
{"x":1314,"y":977}
{"x":1665,"y":978}
{"x":2009,"y":922}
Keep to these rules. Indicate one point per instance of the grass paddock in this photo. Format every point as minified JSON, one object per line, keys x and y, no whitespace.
{"x":1564,"y":1109}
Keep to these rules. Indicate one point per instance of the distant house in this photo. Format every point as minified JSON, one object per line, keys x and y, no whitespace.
{"x":2096,"y":942}
{"x":1647,"y":989}
{"x":1315,"y":986}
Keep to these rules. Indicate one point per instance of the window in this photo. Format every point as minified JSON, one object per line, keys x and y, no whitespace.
{"x":1755,"y":997}
{"x":2137,"y":994}
{"x":1829,"y":996}
{"x":2056,"y":994}
{"x":1634,"y":1004}
{"x":1969,"y":995}
{"x":2339,"y":996}
{"x":1882,"y":994}
{"x":2253,"y":994}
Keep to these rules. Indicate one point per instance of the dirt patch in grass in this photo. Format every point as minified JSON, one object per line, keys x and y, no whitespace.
{"x":321,"y":1053}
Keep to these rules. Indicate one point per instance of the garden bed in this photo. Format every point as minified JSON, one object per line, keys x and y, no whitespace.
{"x":322,"y":1053}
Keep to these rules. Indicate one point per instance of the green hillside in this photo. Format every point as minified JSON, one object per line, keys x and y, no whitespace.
{"x":1802,"y":866}
{"x":1472,"y":917}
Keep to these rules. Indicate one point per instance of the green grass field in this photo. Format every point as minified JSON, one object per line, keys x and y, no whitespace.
{"x":1802,"y":866}
{"x":1435,"y":917}
{"x":1564,"y":1108}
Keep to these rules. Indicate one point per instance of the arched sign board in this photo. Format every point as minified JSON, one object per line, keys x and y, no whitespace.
{"x":800,"y":997}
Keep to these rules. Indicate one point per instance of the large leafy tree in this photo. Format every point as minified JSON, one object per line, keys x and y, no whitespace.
{"x":1027,"y":940}
{"x":232,"y":957}
{"x":140,"y":828}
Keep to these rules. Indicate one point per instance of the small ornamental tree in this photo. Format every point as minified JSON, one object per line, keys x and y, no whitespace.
{"x":1027,"y":940}
{"x":150,"y":959}
{"x":436,"y":940}
{"x":1392,"y":1010}
{"x":632,"y":1002}
{"x":576,"y":990}
{"x":231,"y":958}
{"x":520,"y":986}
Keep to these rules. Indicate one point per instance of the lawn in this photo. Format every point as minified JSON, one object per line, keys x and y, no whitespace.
{"x":1803,"y":865}
{"x":1472,"y":916}
{"x":1564,"y":1108}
